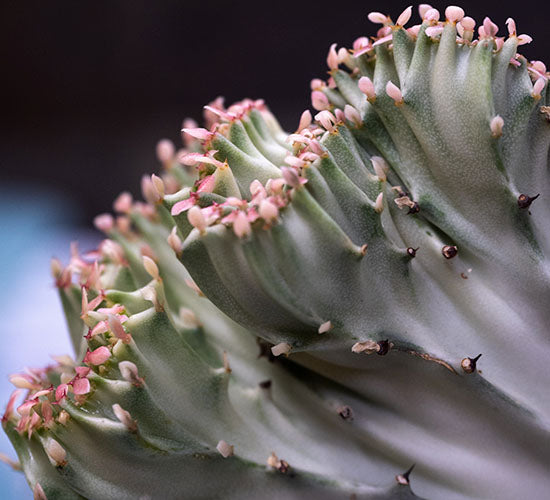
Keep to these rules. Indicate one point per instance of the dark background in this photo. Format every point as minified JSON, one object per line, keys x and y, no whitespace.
{"x":89,"y":86}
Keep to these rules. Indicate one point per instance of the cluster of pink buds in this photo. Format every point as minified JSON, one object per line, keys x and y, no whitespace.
{"x":86,"y":268}
{"x":265,"y":204}
{"x":431,"y":18}
{"x":42,"y":405}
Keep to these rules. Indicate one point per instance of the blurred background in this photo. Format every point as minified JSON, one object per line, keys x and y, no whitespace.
{"x":89,"y":87}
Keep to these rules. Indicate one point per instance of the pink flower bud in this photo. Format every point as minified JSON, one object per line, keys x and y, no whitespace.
{"x":431,"y":15}
{"x":379,"y":203}
{"x":353,"y":115}
{"x":319,"y":100}
{"x":225,"y":450}
{"x":196,"y":218}
{"x":104,"y":222}
{"x":199,"y":133}
{"x":151,"y":267}
{"x":367,"y":87}
{"x":295,"y":162}
{"x":116,"y":326}
{"x":325,"y":327}
{"x":538,"y":87}
{"x":468,"y":23}
{"x":165,"y":151}
{"x":124,"y":417}
{"x":129,"y":372}
{"x":158,"y":184}
{"x":511,"y":25}
{"x":282,"y":348}
{"x":148,"y":190}
{"x":290,"y":177}
{"x":332,"y":58}
{"x":276,"y":186}
{"x":316,"y":84}
{"x":380,"y":167}
{"x":268,"y":211}
{"x":55,"y":452}
{"x":339,"y":114}
{"x":123,"y":203}
{"x":378,"y":18}
{"x":490,"y":28}
{"x":175,"y":241}
{"x":241,"y":226}
{"x":404,"y":17}
{"x":305,"y":120}
{"x":394,"y":92}
{"x":423,"y":8}
{"x":454,"y":14}
{"x":539,"y":66}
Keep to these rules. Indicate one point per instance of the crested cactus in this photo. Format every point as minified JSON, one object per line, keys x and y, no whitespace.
{"x":309,"y":314}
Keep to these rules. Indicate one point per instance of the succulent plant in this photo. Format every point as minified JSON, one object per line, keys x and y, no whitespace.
{"x":307,"y":315}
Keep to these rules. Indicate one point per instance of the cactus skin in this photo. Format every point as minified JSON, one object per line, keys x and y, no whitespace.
{"x":381,"y":249}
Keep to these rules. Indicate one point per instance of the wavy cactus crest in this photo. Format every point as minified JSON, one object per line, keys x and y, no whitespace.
{"x":370,"y":259}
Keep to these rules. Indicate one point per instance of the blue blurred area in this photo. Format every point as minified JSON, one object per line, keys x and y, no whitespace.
{"x":35,"y":225}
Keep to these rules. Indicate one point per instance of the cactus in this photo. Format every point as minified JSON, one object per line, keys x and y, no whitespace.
{"x":309,"y":314}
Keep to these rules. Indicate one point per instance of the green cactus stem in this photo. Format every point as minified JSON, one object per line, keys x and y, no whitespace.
{"x":306,"y":315}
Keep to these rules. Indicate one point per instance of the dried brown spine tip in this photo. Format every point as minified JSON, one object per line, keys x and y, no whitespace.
{"x":449,"y":251}
{"x":469,"y":364}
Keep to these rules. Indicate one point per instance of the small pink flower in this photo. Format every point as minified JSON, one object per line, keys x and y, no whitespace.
{"x":327,"y":120}
{"x":25,"y":408}
{"x":61,"y":392}
{"x":82,"y":371}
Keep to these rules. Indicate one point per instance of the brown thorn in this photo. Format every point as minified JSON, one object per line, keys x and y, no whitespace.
{"x":449,"y":251}
{"x":525,"y":201}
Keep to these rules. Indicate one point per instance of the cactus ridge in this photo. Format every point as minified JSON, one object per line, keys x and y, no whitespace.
{"x":304,"y":314}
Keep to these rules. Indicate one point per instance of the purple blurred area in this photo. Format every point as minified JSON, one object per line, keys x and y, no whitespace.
{"x":89,"y":87}
{"x":35,"y":225}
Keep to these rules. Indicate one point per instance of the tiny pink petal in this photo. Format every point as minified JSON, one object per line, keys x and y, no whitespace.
{"x":81,"y":386}
{"x":182,"y":206}
{"x":98,"y":356}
